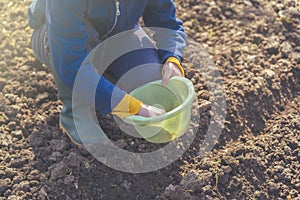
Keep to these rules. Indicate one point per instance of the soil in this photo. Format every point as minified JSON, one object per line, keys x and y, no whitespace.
{"x":255,"y":45}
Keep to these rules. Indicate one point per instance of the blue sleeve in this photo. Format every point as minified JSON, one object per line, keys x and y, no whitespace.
{"x":67,"y":42}
{"x":169,"y":32}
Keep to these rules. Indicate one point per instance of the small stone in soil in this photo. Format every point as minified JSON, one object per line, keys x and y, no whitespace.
{"x":18,"y":134}
{"x":121,"y":143}
{"x":11,"y":110}
{"x":268,"y":74}
{"x":41,"y":97}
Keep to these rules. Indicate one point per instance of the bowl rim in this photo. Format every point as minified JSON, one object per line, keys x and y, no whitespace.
{"x":139,"y":120}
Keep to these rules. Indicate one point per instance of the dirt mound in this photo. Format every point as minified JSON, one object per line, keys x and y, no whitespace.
{"x":253,"y":167}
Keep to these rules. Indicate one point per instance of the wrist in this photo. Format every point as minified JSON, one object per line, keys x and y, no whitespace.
{"x":174,"y":60}
{"x":127,"y":106}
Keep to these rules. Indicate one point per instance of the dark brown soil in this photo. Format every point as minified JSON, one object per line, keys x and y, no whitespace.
{"x":256,"y":47}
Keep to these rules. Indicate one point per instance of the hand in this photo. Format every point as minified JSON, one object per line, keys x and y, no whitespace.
{"x":170,"y":69}
{"x":150,"y":111}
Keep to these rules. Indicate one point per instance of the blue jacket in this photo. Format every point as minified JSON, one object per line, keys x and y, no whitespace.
{"x":67,"y":40}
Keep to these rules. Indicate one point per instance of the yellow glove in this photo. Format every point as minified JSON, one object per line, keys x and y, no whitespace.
{"x":127,"y":106}
{"x":172,"y":67}
{"x":131,"y":106}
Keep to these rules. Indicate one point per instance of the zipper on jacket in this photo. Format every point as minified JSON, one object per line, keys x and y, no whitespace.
{"x":117,"y":13}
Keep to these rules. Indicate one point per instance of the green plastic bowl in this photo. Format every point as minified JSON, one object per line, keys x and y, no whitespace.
{"x":176,"y":98}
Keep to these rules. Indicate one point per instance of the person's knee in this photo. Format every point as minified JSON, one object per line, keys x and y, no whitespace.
{"x":39,"y":45}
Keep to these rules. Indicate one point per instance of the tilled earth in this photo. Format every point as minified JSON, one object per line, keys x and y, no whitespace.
{"x":255,"y":45}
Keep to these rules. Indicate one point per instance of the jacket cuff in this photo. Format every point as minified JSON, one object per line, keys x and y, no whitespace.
{"x":177,"y":62}
{"x":127,"y":106}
